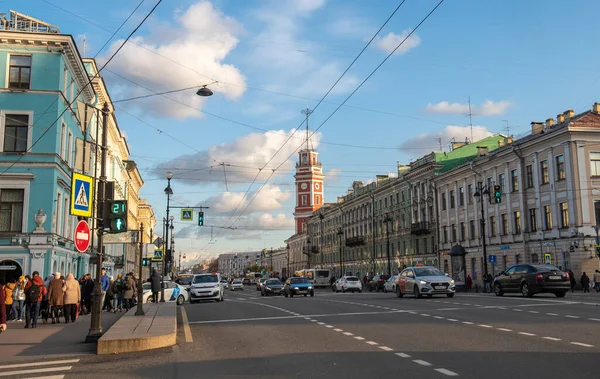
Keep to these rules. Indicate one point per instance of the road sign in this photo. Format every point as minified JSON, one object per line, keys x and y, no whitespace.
{"x":158,"y":255}
{"x":8,"y":268}
{"x":187,"y":214}
{"x":82,"y":236}
{"x":571,"y":248}
{"x":548,"y":259}
{"x":505,"y":247}
{"x":82,"y":189}
{"x":491,"y":258}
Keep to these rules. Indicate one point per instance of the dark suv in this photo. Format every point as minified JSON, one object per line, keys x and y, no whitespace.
{"x":529,"y":279}
{"x":377,"y":282}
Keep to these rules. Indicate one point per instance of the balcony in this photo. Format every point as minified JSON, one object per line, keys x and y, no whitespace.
{"x":355,"y":241}
{"x":422,"y":227}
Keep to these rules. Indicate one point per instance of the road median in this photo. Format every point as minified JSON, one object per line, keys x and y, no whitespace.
{"x":156,"y":329}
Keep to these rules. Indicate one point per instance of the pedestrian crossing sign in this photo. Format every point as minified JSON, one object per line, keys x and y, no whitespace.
{"x":158,"y":255}
{"x":82,"y":190}
{"x":187,"y":214}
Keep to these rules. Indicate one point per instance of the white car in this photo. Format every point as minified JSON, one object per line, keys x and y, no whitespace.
{"x":390,"y":284}
{"x":173,"y":292}
{"x":206,"y":287}
{"x":424,"y":280}
{"x":236,"y":285}
{"x":348,"y":283}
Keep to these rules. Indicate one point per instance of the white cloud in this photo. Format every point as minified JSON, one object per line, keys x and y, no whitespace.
{"x":391,"y":40}
{"x":243,"y":158}
{"x":333,"y":174}
{"x":488,"y":108}
{"x":424,"y":143}
{"x":200,"y":39}
{"x":350,"y":27}
{"x":270,"y":198}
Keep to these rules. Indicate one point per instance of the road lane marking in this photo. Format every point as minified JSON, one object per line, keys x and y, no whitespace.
{"x":505,"y":329}
{"x":451,"y":319}
{"x":594,"y":319}
{"x":528,"y":334}
{"x":552,"y":314}
{"x":533,"y":311}
{"x":39,"y":364}
{"x":329,"y":326}
{"x":467,"y":322}
{"x":570,"y":316}
{"x":36,"y":371}
{"x":385,"y":348}
{"x":320,"y":323}
{"x":438,"y":317}
{"x":485,"y":326}
{"x":446,"y":372}
{"x":552,"y":338}
{"x":402,"y":355}
{"x":581,"y":344}
{"x":187,"y":332}
{"x":425,"y":314}
{"x":421,"y":362}
{"x":313,"y":320}
{"x":372,"y":343}
{"x":347,"y":334}
{"x":338,"y":330}
{"x":359,"y":338}
{"x":242,"y":320}
{"x":518,"y":310}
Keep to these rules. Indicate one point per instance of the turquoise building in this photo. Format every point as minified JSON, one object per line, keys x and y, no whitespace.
{"x":46,"y":108}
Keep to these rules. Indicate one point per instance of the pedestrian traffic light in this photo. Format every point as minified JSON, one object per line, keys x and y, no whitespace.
{"x":117,"y":215}
{"x":200,"y":218}
{"x":498,"y":193}
{"x":144,"y":262}
{"x":598,"y":250}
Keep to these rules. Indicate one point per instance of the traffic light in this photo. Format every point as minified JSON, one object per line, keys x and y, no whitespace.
{"x":144,"y":262}
{"x":117,"y":215}
{"x":498,"y":193}
{"x":598,"y":250}
{"x":200,"y":218}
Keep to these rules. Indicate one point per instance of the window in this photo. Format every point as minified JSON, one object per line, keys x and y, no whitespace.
{"x":564,"y":215}
{"x":16,"y":127}
{"x":70,"y":150}
{"x":529,"y":174}
{"x":517,"y":220}
{"x":595,"y":164}
{"x":533,"y":219}
{"x":462,"y":231}
{"x":443,"y":201}
{"x":317,"y":200}
{"x":461,"y":196}
{"x":452,"y":199}
{"x":535,"y":258}
{"x":501,"y":182}
{"x":445,"y":234}
{"x":403,"y":197}
{"x":11,"y":210}
{"x":472,"y":229}
{"x":63,"y":136}
{"x":492,"y":226}
{"x":504,"y":220}
{"x":453,"y":232}
{"x":19,"y":71}
{"x":514,"y":179}
{"x":544,"y":172}
{"x":489,"y":182}
{"x":560,"y":168}
{"x":470,"y":193}
{"x":547,"y":217}
{"x":303,"y":199}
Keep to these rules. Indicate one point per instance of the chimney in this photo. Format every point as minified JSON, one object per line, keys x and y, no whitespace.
{"x":560,"y":118}
{"x":549,"y":122}
{"x":596,"y":108}
{"x":482,"y":150}
{"x":569,"y":114}
{"x":537,"y":127}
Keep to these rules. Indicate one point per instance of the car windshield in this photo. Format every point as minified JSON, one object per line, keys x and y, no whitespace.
{"x":205,"y":279}
{"x":322,"y":273}
{"x":299,"y":280}
{"x":428,"y":271}
{"x":352,"y":279}
{"x":186,"y":281}
{"x":237,"y":282}
{"x":273,"y":282}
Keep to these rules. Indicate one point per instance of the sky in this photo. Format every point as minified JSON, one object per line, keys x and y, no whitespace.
{"x":267,"y":60}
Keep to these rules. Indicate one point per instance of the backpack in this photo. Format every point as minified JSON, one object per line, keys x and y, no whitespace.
{"x":33,"y":294}
{"x":128,"y":285}
{"x":116,"y":286}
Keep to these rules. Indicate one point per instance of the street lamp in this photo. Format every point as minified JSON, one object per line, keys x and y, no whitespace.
{"x":204,"y":92}
{"x":387,"y":220}
{"x":340,"y":233}
{"x":168,"y":192}
{"x":479,"y":194}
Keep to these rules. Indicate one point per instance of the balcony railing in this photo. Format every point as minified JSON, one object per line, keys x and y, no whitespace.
{"x":355,"y":241}
{"x":421,"y":227}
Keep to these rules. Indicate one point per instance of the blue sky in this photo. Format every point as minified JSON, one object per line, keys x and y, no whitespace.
{"x":518,"y":61}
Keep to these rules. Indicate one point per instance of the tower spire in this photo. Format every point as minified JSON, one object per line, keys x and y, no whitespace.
{"x":307,"y":112}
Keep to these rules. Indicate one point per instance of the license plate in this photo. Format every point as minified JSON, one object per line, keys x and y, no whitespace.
{"x":440,"y":287}
{"x":555,"y":277}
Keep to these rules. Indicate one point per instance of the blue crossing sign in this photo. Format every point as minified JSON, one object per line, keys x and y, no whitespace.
{"x":158,"y":255}
{"x":82,"y":190}
{"x":187,"y":214}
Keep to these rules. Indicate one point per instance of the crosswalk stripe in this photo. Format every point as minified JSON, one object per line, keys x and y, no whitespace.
{"x":48,"y":377}
{"x":32,"y":364}
{"x":38,"y":370}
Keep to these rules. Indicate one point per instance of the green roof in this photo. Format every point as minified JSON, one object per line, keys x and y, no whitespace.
{"x":463,"y":154}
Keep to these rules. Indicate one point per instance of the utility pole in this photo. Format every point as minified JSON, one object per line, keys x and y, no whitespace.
{"x":140,"y":290}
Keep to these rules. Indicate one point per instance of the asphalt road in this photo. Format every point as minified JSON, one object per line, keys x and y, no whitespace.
{"x":372,"y":335}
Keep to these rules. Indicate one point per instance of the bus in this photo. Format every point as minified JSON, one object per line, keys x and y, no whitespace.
{"x":319,"y":277}
{"x":253,"y":276}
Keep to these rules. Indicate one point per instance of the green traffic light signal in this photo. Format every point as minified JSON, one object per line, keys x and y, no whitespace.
{"x":144,"y":262}
{"x":117,"y":216}
{"x":498,"y":194}
{"x":200,"y":218}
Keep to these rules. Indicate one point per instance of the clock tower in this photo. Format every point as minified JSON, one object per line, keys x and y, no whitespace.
{"x":309,"y":182}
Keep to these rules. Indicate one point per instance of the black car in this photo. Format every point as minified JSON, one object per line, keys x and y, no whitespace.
{"x":272,"y":287}
{"x":377,"y":282}
{"x":529,"y":279}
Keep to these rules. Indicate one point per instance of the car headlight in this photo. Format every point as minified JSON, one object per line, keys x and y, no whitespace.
{"x":423,"y":282}
{"x":296,"y":288}
{"x":452,"y":282}
{"x":310,"y":287}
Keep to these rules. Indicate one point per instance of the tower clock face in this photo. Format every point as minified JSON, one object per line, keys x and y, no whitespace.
{"x":303,"y":186}
{"x":317,"y":186}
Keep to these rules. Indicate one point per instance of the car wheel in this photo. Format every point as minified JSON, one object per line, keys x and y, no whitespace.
{"x":305,"y":294}
{"x":262,"y":294}
{"x":180,"y":299}
{"x":312,"y":293}
{"x":384,"y":290}
{"x":359,"y":291}
{"x":448,"y":295}
{"x":498,"y":290}
{"x":560,"y":294}
{"x":285,"y":294}
{"x":399,"y":292}
{"x":333,"y":289}
{"x":291,"y":294}
{"x":416,"y":292}
{"x":343,"y":290}
{"x":525,"y":290}
{"x":370,"y":289}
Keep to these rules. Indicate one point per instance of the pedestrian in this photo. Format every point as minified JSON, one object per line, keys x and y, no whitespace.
{"x":19,"y":298}
{"x":35,"y":291}
{"x":128,"y":293}
{"x":365,"y":280}
{"x":469,"y":283}
{"x":45,"y":307}
{"x":488,"y":282}
{"x":72,"y":298}
{"x":108,"y":299}
{"x":155,"y":277}
{"x":9,"y":287}
{"x":572,"y":280}
{"x":585,"y":282}
{"x":2,"y":310}
{"x":105,"y":282}
{"x":117,"y":290}
{"x":597,"y":280}
{"x":56,"y":296}
{"x":88,"y":289}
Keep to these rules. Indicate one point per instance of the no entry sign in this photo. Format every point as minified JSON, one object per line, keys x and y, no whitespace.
{"x":82,"y":236}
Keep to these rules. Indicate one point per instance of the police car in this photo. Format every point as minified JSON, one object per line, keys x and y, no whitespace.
{"x":173,"y":292}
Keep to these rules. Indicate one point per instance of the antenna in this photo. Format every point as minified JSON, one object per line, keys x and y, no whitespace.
{"x":84,"y":45}
{"x":440,"y":142}
{"x":307,"y":112}
{"x":507,"y":128}
{"x":470,"y":119}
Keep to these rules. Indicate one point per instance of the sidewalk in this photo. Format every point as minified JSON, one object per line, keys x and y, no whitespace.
{"x":18,"y":343}
{"x":156,"y":329}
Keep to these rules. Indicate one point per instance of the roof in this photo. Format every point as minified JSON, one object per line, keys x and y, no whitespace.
{"x":455,"y":158}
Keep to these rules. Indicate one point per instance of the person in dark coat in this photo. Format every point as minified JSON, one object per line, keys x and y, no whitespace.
{"x":155,"y":279}
{"x":572,"y":280}
{"x":585,"y":282}
{"x":86,"y":294}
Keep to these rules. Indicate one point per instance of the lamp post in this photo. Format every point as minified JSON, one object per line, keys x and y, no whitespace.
{"x":308,"y":253}
{"x":172,"y":249}
{"x":387,"y":220}
{"x":168,"y":192}
{"x":479,"y":194}
{"x":321,"y":217}
{"x":287,"y":248}
{"x":140,"y":290}
{"x":340,"y":233}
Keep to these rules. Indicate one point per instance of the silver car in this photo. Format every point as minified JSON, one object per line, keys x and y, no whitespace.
{"x":424,"y":280}
{"x":390,"y":284}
